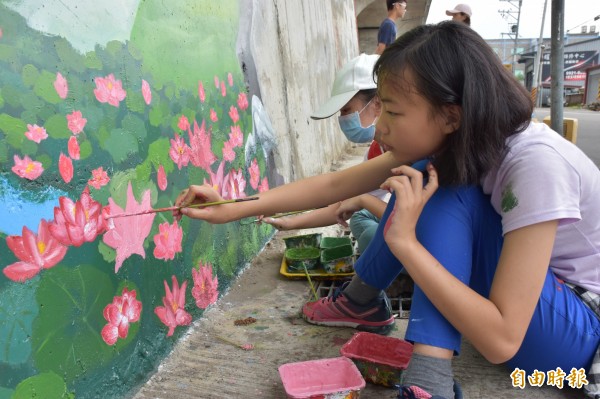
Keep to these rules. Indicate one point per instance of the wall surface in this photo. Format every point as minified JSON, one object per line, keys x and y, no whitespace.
{"x":114,"y":107}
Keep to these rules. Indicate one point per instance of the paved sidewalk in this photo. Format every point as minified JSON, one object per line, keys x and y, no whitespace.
{"x":209,"y":363}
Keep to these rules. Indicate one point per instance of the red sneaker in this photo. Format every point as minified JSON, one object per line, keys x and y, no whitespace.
{"x":338,"y":310}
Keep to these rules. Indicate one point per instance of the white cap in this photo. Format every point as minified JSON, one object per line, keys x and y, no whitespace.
{"x":464,"y":8}
{"x":355,"y":76}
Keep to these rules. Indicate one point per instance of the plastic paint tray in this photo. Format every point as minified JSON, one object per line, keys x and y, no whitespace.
{"x":303,"y":241}
{"x":380,"y":359}
{"x":324,"y":378}
{"x":299,"y":258}
{"x":315,"y":274}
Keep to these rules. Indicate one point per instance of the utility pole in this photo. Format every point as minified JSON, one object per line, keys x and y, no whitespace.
{"x":513,"y":21}
{"x":557,"y":66}
{"x":537,"y":66}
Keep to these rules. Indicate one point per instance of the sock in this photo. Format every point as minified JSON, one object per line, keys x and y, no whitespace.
{"x":430,"y":373}
{"x":360,"y":292}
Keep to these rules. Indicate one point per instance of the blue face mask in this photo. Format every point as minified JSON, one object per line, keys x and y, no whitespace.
{"x":353,"y":130}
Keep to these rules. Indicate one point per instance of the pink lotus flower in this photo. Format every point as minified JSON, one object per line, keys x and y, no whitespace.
{"x":205,"y":286}
{"x":216,"y":179}
{"x":201,"y":94}
{"x":36,"y":133}
{"x":236,"y":136}
{"x":217,"y":82}
{"x":264,"y":185}
{"x":61,"y":86}
{"x":75,"y":122}
{"x":234,"y":185}
{"x":173,"y":314}
{"x":127,"y":234}
{"x":65,"y":167}
{"x":201,"y":154}
{"x":77,"y":222}
{"x":35,"y":252}
{"x":26,"y":168}
{"x":179,"y":152}
{"x":168,"y":241}
{"x":99,"y":178}
{"x":242,"y":101}
{"x":161,"y":178}
{"x":123,"y":310}
{"x":146,"y":92}
{"x":183,"y":123}
{"x":233,"y":114}
{"x":230,"y":79}
{"x":228,"y":153}
{"x":254,"y":174}
{"x":73,"y":147}
{"x":213,"y":115}
{"x":109,"y":90}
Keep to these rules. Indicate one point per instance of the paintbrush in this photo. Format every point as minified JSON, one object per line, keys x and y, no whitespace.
{"x":280,"y":215}
{"x":174,"y":208}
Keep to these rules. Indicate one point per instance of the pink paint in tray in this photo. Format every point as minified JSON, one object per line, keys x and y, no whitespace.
{"x":380,"y":359}
{"x":336,"y":378}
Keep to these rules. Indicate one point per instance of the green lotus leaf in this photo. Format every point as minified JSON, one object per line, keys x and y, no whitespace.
{"x":157,"y":115}
{"x":92,"y":61}
{"x":121,"y":144}
{"x":143,"y":170}
{"x":158,"y":154}
{"x":44,"y":385}
{"x":29,"y":75}
{"x":32,"y":103}
{"x":70,"y":58}
{"x":109,"y":254}
{"x":85,"y":149}
{"x":7,"y":53}
{"x":135,"y":125}
{"x":66,"y":335}
{"x":44,"y":88}
{"x":14,"y":129}
{"x":18,"y":309}
{"x":13,"y":95}
{"x":56,"y":127}
{"x":135,"y":102}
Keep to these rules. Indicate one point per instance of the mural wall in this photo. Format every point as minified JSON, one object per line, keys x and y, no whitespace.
{"x":111,"y":107}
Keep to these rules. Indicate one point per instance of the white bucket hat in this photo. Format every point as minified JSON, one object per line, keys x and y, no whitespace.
{"x":355,"y":75}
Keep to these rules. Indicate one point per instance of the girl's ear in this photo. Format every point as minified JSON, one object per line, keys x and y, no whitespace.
{"x":452,"y":117}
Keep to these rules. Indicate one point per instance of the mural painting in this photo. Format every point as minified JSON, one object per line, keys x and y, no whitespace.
{"x":107,"y":108}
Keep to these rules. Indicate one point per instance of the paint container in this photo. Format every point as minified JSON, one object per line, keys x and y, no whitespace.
{"x":337,"y":255}
{"x":298,"y":259}
{"x":303,"y":241}
{"x":336,"y":378}
{"x":380,"y":359}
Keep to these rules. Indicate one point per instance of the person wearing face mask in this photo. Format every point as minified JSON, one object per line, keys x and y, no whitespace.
{"x":354,"y":96}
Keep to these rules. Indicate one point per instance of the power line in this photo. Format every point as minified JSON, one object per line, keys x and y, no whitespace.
{"x":597,"y":17}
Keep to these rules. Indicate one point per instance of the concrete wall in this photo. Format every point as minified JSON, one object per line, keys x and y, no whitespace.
{"x":116,"y":106}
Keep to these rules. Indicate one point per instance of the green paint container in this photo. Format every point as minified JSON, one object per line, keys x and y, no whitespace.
{"x":303,"y":241}
{"x":332,"y":242}
{"x":299,"y":258}
{"x":337,"y":255}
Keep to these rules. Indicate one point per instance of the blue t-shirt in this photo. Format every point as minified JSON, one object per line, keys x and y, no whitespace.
{"x":387,"y":32}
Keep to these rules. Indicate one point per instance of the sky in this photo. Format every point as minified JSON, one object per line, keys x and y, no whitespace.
{"x":489,"y":23}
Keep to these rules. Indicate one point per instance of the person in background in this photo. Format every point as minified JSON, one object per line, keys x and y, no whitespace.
{"x":461,"y":13}
{"x":387,"y":30}
{"x":352,"y":96}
